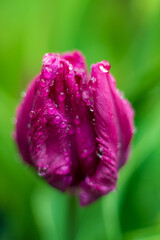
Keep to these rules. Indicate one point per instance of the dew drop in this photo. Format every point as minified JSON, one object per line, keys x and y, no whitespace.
{"x":14,"y":120}
{"x":65,"y":152}
{"x":100,"y":152}
{"x":77,"y":94}
{"x":72,"y":97}
{"x":57,"y":119}
{"x":42,"y":83}
{"x":88,"y":103}
{"x":134,"y":131}
{"x":67,"y":90}
{"x":52,"y":83}
{"x":50,"y":110}
{"x":84,"y":153}
{"x":70,"y":130}
{"x":122,"y":94}
{"x":46,"y":92}
{"x":23,"y":94}
{"x":93,"y":121}
{"x":67,"y":159}
{"x":63,"y":170}
{"x":99,"y":155}
{"x":70,"y":67}
{"x":47,"y":72}
{"x":119,"y":145}
{"x":93,"y":83}
{"x":85,"y":95}
{"x":62,"y":96}
{"x":48,"y":59}
{"x":106,"y":65}
{"x":76,"y":87}
{"x":42,"y":170}
{"x":101,"y":149}
{"x":77,"y":120}
{"x":101,"y":67}
{"x":63,"y":124}
{"x":32,"y":114}
{"x":93,"y":80}
{"x":91,"y":108}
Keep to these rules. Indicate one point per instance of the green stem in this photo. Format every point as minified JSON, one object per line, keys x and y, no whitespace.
{"x":71,"y":220}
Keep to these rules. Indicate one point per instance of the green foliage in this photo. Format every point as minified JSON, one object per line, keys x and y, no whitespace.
{"x":127,"y":34}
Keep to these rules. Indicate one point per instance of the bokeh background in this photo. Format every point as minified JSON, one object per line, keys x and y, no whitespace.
{"x":127,"y":34}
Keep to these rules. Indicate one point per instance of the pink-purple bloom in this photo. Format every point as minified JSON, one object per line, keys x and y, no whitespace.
{"x":75,"y":129}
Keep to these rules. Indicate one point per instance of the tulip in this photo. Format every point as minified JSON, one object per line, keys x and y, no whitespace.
{"x":75,"y":129}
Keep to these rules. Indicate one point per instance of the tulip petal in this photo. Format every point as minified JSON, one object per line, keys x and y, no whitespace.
{"x":125,"y":115}
{"x":48,"y":133}
{"x":114,"y":129}
{"x":105,"y":176}
{"x":82,"y":118}
{"x":23,"y":121}
{"x":78,"y":63}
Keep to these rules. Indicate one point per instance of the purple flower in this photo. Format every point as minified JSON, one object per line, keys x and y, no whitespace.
{"x":75,"y":129}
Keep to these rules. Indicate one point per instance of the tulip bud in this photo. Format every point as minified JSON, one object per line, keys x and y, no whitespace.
{"x":75,"y":129}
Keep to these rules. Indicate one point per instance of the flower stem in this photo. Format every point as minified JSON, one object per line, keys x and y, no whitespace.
{"x":71,"y":220}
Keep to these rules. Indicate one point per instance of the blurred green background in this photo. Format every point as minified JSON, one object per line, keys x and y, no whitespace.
{"x":127,"y":34}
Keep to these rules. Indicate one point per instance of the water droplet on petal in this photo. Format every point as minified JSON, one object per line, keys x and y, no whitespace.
{"x":47,"y":72}
{"x":78,"y":95}
{"x":106,"y":65}
{"x":14,"y":120}
{"x":63,"y":124}
{"x":134,"y":130}
{"x":72,"y":97}
{"x":100,"y":152}
{"x":93,"y":83}
{"x":103,"y":69}
{"x":76,"y":87}
{"x":91,"y":108}
{"x":62,"y":96}
{"x":122,"y":94}
{"x":46,"y":92}
{"x":63,"y":170}
{"x":85,"y":95}
{"x":43,"y":83}
{"x":70,"y":129}
{"x":50,"y":110}
{"x":101,"y":149}
{"x":42,"y":170}
{"x":52,"y":83}
{"x":32,"y":114}
{"x":84,"y":153}
{"x":70,"y":67}
{"x":77,"y":120}
{"x":93,"y":80}
{"x":88,"y":103}
{"x":67,"y":159}
{"x":23,"y":94}
{"x":119,"y":145}
{"x":99,"y":155}
{"x":93,"y":121}
{"x":57,"y":119}
{"x":48,"y":59}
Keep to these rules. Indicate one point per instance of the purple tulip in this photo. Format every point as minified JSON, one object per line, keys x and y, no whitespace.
{"x":73,"y":128}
